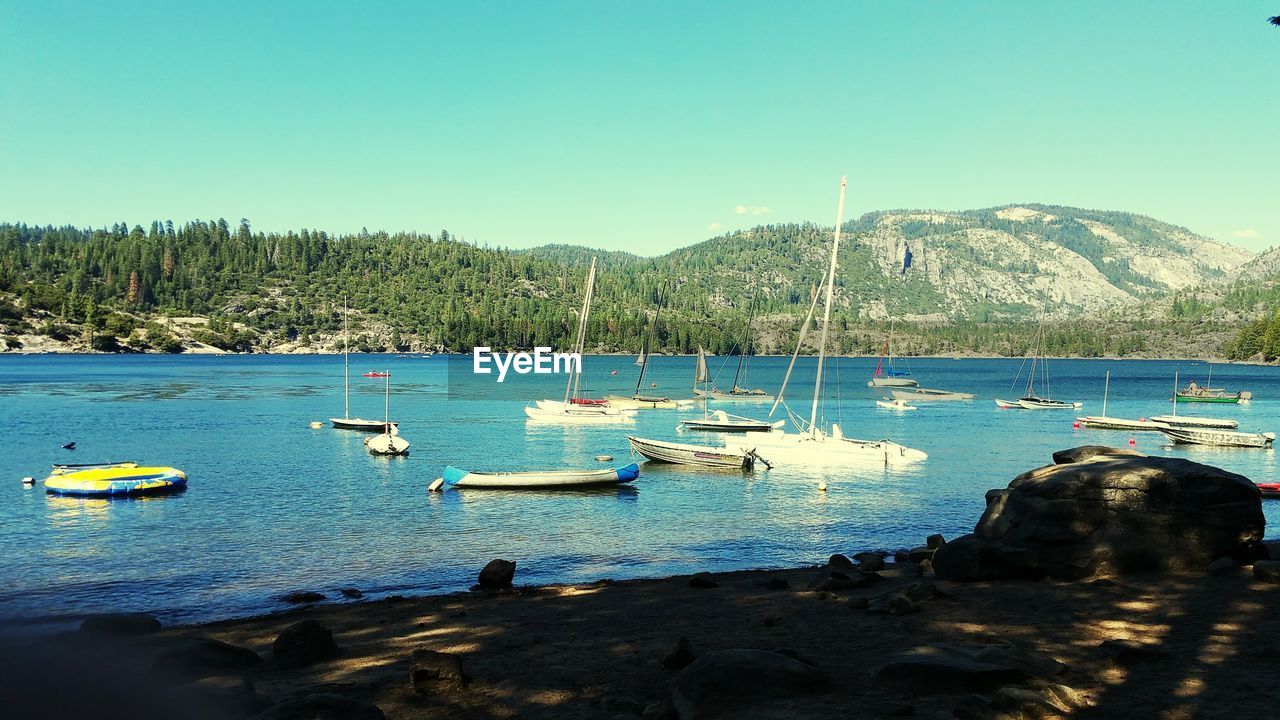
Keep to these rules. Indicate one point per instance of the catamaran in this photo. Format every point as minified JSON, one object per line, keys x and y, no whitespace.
{"x":887,"y":373}
{"x":738,"y":393}
{"x":575,"y":410}
{"x":389,"y":441}
{"x":1029,"y":400}
{"x":811,"y":444}
{"x":346,"y":422}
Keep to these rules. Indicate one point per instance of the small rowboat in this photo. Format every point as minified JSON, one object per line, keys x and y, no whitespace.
{"x":1270,"y":490}
{"x":377,"y":374}
{"x":1219,"y":438}
{"x":1008,"y":404}
{"x":117,"y":482}
{"x":919,"y":393}
{"x":682,"y":454}
{"x":1196,"y":422}
{"x":721,"y":421}
{"x":895,"y":405}
{"x":549,"y":480}
{"x":64,"y":468}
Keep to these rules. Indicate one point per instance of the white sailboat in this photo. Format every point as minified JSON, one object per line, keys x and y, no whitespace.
{"x":389,"y":441}
{"x":346,"y":422}
{"x":738,"y":393}
{"x":639,"y":400}
{"x":1030,"y":400}
{"x":812,"y":445}
{"x":1103,"y":422}
{"x":572,"y":410}
{"x":720,"y":421}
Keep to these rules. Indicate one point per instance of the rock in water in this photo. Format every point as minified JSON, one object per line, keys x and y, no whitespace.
{"x":430,"y":670}
{"x":1086,"y":452}
{"x":497,"y":574}
{"x":302,"y":644}
{"x":1112,"y":512}
{"x":303,"y":596}
{"x":723,"y":679}
{"x":121,"y":623}
{"x":322,"y":706}
{"x":870,"y":562}
{"x":839,"y":562}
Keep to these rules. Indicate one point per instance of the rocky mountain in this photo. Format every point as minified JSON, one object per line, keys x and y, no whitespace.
{"x":1008,"y":262}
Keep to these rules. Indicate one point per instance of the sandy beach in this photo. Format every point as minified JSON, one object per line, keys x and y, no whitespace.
{"x":1209,"y":648}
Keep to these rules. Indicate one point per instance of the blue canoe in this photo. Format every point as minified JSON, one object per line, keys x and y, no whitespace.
{"x":548,"y":480}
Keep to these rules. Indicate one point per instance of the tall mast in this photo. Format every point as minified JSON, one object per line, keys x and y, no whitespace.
{"x":746,"y":344}
{"x":826,"y":313}
{"x":386,"y":409}
{"x":1105,"y":389}
{"x":346,"y":362}
{"x":804,"y":330}
{"x":570,"y":389}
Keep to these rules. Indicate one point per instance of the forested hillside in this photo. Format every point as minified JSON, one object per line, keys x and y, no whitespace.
{"x":974,"y":282}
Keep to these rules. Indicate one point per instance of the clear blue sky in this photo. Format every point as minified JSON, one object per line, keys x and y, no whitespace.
{"x":639,"y":126}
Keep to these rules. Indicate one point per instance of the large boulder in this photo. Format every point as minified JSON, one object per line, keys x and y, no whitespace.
{"x":302,"y":644}
{"x":726,"y":680}
{"x":1111,"y":511}
{"x":497,"y":574}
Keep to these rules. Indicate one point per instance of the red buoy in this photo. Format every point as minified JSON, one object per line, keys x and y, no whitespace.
{"x":1076,"y":424}
{"x":1132,"y":441}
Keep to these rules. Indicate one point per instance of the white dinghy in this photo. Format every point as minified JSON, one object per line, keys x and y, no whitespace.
{"x":389,"y":441}
{"x":685,"y":454}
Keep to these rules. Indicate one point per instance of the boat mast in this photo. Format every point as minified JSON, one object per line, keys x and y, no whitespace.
{"x":804,"y":329}
{"x":571,"y":388}
{"x":1175,"y":393}
{"x":386,"y":408}
{"x":346,"y":366}
{"x":826,"y":313}
{"x":746,"y":345}
{"x":1106,"y":387}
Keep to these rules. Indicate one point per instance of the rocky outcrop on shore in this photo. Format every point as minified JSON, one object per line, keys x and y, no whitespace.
{"x":1100,"y":510}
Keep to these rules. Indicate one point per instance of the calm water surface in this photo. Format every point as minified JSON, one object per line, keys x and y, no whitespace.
{"x":275,"y":506}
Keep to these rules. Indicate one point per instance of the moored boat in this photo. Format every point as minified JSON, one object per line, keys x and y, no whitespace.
{"x":117,"y":482}
{"x":721,"y":421}
{"x":1195,"y":422}
{"x":684,"y":454}
{"x":895,"y":405}
{"x":346,"y":422}
{"x":1102,"y":422}
{"x":1269,"y":491}
{"x":1219,"y":438}
{"x":1008,"y":404}
{"x":377,"y":374}
{"x":887,"y":373}
{"x":1036,"y":403}
{"x":928,"y":394}
{"x":548,"y":480}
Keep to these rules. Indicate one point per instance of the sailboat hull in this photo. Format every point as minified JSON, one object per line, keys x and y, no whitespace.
{"x":929,"y":395}
{"x":360,"y":424}
{"x":385,"y":444}
{"x":892,"y":382}
{"x":579,"y":415}
{"x":641,"y":402}
{"x":784,"y":448}
{"x":743,"y":397}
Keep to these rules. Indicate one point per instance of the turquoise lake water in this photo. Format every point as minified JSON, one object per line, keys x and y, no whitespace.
{"x":275,"y":506}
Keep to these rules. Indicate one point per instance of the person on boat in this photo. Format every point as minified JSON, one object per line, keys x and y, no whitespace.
{"x":1193,"y":388}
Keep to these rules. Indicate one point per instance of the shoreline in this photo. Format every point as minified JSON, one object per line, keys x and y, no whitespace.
{"x":605,"y":649}
{"x":420,"y":356}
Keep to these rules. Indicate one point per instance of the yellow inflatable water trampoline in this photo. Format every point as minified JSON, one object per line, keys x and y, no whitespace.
{"x":117,"y":481}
